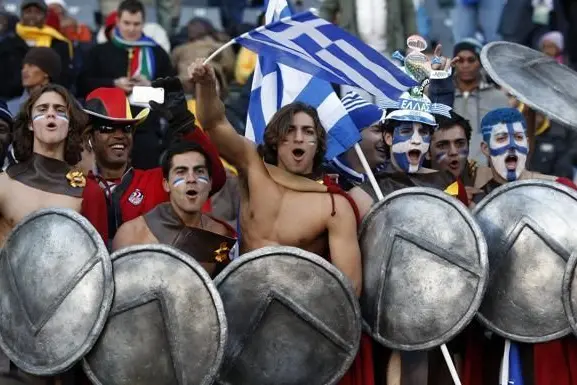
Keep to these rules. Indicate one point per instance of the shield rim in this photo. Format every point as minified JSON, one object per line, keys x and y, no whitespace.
{"x":209,"y":284}
{"x":105,"y":305}
{"x":482,"y":250}
{"x":272,"y":251}
{"x":493,"y":73}
{"x":485,"y":201}
{"x":568,"y":278}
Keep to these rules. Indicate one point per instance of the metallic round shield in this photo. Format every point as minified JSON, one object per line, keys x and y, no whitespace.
{"x":425,"y":268}
{"x":293,"y":319}
{"x":167,"y":324}
{"x":56,"y":289}
{"x":534,"y":78}
{"x":531,"y":232}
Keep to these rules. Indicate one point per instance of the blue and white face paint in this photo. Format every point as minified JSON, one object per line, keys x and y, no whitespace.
{"x":178,"y":182}
{"x":411,"y":142}
{"x":508,"y":149}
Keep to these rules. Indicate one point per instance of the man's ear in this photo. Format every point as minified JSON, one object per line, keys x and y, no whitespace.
{"x":485,"y":149}
{"x":165,"y":185}
{"x":388,"y":138}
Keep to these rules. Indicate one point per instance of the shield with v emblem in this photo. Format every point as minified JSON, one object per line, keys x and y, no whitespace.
{"x":531,"y":232}
{"x":293,"y":319}
{"x":425,"y":268}
{"x":56,"y":289}
{"x":166,"y":326}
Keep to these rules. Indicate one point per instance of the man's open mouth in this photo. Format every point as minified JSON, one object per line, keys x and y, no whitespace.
{"x":511,"y":162}
{"x":454,"y":164}
{"x":414,"y":156}
{"x":51,"y":125}
{"x":298,"y":153}
{"x":191,"y":193}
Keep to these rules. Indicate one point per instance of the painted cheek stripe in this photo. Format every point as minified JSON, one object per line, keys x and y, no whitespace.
{"x":177,"y":182}
{"x":202,"y":179}
{"x":60,"y":116}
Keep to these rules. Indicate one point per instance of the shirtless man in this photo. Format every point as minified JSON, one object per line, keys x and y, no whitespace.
{"x":47,"y":142}
{"x":187,"y":172}
{"x":270,"y":212}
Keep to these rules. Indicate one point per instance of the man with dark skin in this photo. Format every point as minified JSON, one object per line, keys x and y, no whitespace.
{"x":34,"y":31}
{"x":132,"y":192}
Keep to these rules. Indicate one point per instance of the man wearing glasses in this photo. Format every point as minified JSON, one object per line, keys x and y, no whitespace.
{"x":130,"y":192}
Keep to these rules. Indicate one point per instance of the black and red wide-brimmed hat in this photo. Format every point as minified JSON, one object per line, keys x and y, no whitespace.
{"x":111,"y":105}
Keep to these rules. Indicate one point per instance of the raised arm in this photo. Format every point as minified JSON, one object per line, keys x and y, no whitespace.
{"x":343,"y":243}
{"x":234,"y":148}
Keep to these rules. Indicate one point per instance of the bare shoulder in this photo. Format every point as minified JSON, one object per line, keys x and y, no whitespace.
{"x":341,"y":209}
{"x":5,"y":182}
{"x":362,"y":199}
{"x":130,"y":233}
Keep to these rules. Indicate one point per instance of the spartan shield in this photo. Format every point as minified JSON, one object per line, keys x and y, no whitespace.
{"x":425,"y":268}
{"x":166,"y":326}
{"x":293,"y":319}
{"x":531,"y":231}
{"x":56,"y":289}
{"x":534,"y":78}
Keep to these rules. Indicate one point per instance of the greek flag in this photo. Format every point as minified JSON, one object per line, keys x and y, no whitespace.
{"x":322,"y":49}
{"x":276,"y":85}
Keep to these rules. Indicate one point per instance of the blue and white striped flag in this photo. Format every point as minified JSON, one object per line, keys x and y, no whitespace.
{"x":322,"y":49}
{"x":276,"y":85}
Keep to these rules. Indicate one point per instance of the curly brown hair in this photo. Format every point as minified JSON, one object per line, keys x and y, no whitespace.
{"x":24,"y":137}
{"x":278,"y":127}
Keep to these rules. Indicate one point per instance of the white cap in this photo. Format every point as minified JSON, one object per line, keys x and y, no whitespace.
{"x":61,"y":3}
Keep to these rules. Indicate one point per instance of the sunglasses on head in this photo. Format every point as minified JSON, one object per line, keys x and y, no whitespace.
{"x":108,"y":128}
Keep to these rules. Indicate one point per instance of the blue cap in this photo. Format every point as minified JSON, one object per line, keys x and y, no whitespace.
{"x":362,"y":113}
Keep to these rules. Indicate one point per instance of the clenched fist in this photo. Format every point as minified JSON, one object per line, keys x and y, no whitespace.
{"x":201,"y":73}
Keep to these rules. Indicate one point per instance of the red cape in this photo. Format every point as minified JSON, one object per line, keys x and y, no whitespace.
{"x":361,"y":371}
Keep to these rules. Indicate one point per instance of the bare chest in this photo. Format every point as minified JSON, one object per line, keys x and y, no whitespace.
{"x":22,"y":200}
{"x":298,"y":220}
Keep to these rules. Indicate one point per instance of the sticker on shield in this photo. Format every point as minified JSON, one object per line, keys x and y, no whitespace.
{"x":293,"y":319}
{"x":56,"y":289}
{"x":425,"y":268}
